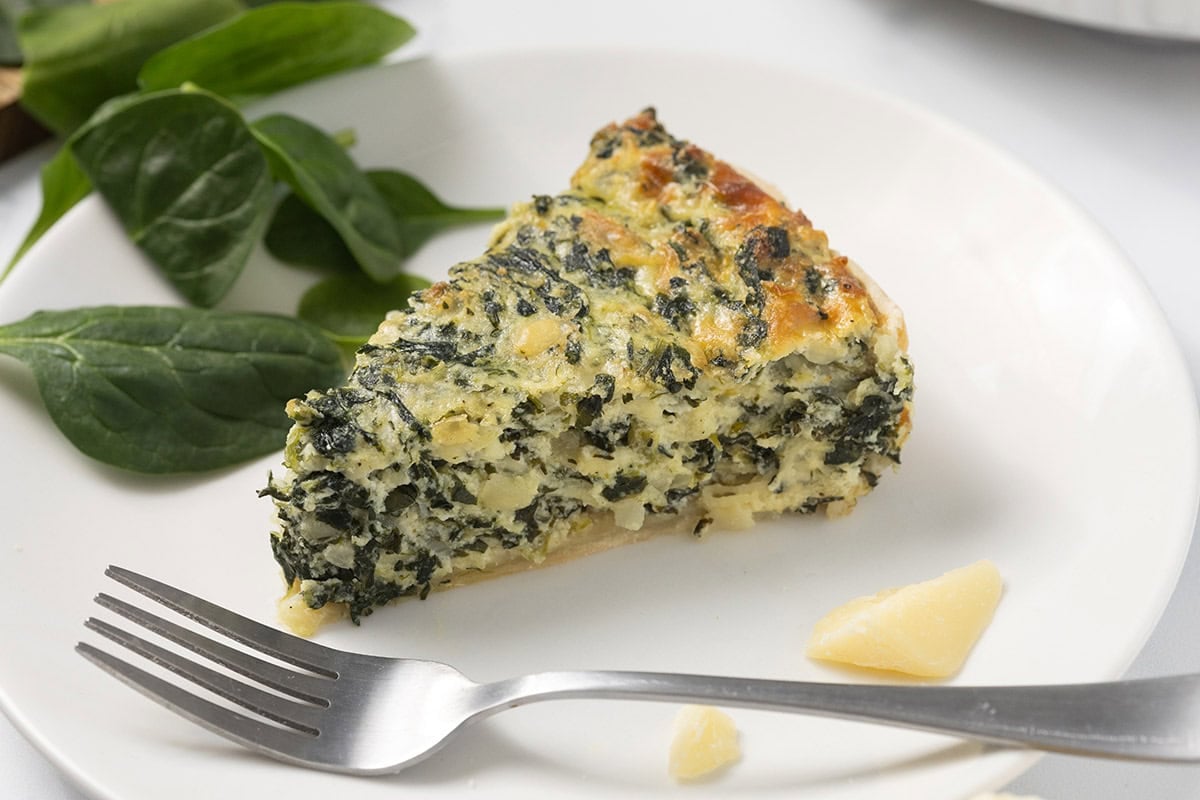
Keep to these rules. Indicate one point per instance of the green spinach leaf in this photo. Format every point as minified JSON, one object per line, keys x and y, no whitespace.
{"x":297,"y":234}
{"x":63,"y":185}
{"x":351,"y":306}
{"x":321,"y":173}
{"x":10,"y":12}
{"x":277,"y":46}
{"x":10,"y":49}
{"x":163,"y":390}
{"x":420,"y":212}
{"x":78,"y":56}
{"x":188,"y":181}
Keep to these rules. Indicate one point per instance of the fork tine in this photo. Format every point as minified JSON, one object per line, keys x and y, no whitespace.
{"x":257,"y":734}
{"x":296,"y":715}
{"x":293,"y":649}
{"x":312,"y":688}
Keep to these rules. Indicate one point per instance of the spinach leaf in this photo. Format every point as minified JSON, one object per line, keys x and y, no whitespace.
{"x":163,"y":390}
{"x":420,"y":213}
{"x":277,"y":46}
{"x":324,"y":177}
{"x":10,"y":12}
{"x":297,"y":234}
{"x":10,"y":49}
{"x":188,"y":181}
{"x":352,"y":306}
{"x":78,"y":56}
{"x":63,"y":185}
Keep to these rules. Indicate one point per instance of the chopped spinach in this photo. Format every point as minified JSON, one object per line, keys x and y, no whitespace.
{"x":672,"y":368}
{"x":753,"y":332}
{"x":623,"y":485}
{"x":528,"y":268}
{"x":676,"y":309}
{"x":589,"y":407}
{"x":865,"y":429}
{"x":597,"y":267}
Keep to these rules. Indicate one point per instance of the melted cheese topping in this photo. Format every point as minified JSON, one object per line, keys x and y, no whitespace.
{"x":664,"y":338}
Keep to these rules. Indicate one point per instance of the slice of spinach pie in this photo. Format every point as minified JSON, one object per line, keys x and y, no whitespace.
{"x":663,"y":341}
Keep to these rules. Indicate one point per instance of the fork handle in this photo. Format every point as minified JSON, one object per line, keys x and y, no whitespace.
{"x":1154,"y":719}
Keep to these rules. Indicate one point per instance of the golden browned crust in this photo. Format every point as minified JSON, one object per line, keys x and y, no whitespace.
{"x":734,"y":206}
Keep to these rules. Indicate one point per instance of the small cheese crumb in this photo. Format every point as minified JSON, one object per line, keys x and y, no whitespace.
{"x":299,"y":618}
{"x":705,"y":740}
{"x":926,"y":629}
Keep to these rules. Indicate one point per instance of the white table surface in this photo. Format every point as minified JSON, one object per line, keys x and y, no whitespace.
{"x":1112,"y":120}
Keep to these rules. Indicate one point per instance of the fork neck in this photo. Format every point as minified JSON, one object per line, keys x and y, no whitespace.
{"x":492,"y":697}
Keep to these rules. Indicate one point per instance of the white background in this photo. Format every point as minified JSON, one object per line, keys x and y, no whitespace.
{"x":1112,"y":120}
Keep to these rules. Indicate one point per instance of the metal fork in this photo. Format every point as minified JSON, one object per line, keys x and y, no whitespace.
{"x":363,"y":714}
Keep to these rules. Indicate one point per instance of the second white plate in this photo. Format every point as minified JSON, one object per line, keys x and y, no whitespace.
{"x":1173,"y":19}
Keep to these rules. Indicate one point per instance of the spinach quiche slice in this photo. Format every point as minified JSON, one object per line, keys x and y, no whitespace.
{"x":664,"y":342}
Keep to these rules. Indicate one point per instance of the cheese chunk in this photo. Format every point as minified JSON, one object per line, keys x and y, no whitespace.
{"x":705,"y":740}
{"x":925,"y":629}
{"x":299,"y":618}
{"x":664,"y":341}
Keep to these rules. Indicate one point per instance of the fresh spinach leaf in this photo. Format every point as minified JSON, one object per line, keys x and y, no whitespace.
{"x":188,"y":181}
{"x":10,"y":49}
{"x":352,"y":306}
{"x":10,"y":12}
{"x":78,"y":56}
{"x":63,"y":182}
{"x":297,"y":234}
{"x":280,"y":45}
{"x":321,"y":173}
{"x":162,"y":390}
{"x":63,"y":185}
{"x":420,"y":212}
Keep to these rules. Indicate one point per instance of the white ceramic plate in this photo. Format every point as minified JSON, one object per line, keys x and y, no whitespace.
{"x":1176,"y":19}
{"x":1055,"y":434}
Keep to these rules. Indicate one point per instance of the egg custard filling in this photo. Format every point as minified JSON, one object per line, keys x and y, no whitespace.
{"x":664,"y":343}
